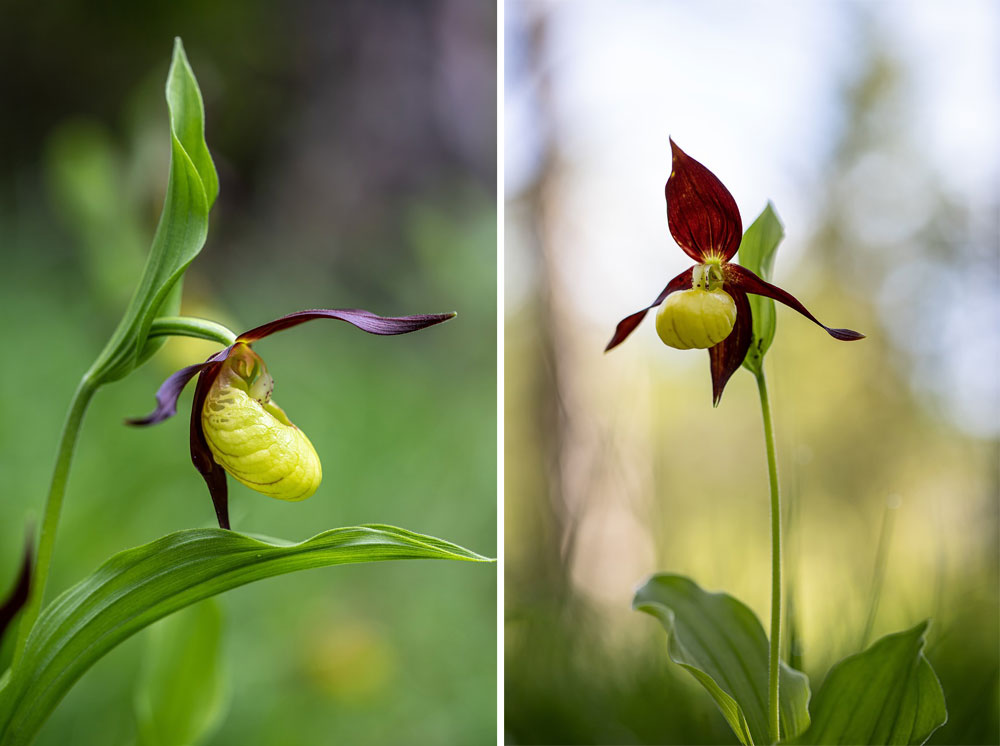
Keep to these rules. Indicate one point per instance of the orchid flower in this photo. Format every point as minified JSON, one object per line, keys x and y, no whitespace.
{"x":235,"y":425}
{"x":706,"y":305}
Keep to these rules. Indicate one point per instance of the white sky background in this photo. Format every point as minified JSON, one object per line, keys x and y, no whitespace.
{"x":752,"y":91}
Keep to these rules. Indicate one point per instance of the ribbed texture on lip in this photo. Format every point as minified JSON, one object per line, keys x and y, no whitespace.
{"x":256,"y":448}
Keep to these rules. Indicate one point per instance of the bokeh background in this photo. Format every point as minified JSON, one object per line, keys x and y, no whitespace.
{"x":356,"y":147}
{"x":872,"y":127}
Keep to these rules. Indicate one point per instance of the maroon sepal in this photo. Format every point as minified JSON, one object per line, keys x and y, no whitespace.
{"x":364,"y":320}
{"x":727,"y":356}
{"x":703,"y":217}
{"x":201,"y":456}
{"x":170,"y":390}
{"x":627,"y":325}
{"x":19,"y":593}
{"x":746,"y":280}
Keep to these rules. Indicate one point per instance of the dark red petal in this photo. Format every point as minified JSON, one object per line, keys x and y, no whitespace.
{"x":751,"y":283}
{"x":364,"y":320}
{"x":201,"y":456}
{"x":727,"y":356}
{"x":703,"y":217}
{"x":19,"y":593}
{"x":170,"y":390}
{"x":627,"y":325}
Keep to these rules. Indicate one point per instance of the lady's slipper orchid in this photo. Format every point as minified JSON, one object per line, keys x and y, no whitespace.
{"x":706,"y":306}
{"x":237,"y":428}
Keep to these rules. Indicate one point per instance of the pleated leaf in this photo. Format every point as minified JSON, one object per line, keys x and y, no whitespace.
{"x":757,"y":250}
{"x":191,"y":190}
{"x":720,"y":641}
{"x":139,"y":586}
{"x":889,"y":694}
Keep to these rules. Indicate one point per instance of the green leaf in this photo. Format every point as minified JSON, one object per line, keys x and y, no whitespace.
{"x":888,"y":694}
{"x":181,"y":692}
{"x":191,"y":190}
{"x":138,"y":586}
{"x":757,"y":249}
{"x":722,"y":644}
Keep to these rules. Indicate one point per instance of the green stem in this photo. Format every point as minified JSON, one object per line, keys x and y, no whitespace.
{"x":188,"y":326}
{"x":165,"y":326}
{"x":772,"y":473}
{"x":53,"y":507}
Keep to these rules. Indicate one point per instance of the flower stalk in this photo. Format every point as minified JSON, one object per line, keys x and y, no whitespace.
{"x":189,"y":326}
{"x":53,"y":508}
{"x":775,"y":637}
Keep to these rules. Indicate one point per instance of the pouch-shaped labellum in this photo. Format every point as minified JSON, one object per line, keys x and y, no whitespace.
{"x":696,"y":319}
{"x":251,"y":437}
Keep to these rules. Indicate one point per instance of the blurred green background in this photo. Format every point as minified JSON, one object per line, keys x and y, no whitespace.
{"x":872,"y":127}
{"x":356,"y":146}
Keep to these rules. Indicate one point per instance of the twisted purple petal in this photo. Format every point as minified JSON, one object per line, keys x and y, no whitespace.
{"x":364,"y":320}
{"x":170,"y":390}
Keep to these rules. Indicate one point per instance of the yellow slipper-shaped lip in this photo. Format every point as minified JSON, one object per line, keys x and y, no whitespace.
{"x":252,"y":438}
{"x":696,"y":319}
